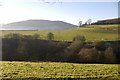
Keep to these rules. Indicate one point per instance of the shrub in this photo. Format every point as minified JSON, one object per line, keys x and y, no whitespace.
{"x":100,"y":45}
{"x":79,"y":38}
{"x":88,"y":55}
{"x":109,"y":55}
{"x":50,"y":36}
{"x":71,"y":52}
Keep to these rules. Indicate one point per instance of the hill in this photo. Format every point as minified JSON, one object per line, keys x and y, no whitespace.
{"x":38,"y":25}
{"x":108,"y":21}
{"x":91,"y":33}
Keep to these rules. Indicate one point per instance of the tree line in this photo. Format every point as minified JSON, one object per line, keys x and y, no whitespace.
{"x":17,"y":47}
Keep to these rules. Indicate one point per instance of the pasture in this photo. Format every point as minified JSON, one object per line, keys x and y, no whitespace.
{"x":17,"y":70}
{"x":91,"y":32}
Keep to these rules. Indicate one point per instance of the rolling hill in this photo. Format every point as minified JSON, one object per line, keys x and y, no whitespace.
{"x":91,"y":33}
{"x":38,"y":25}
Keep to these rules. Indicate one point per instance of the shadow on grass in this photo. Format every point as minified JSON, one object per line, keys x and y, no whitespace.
{"x":35,"y":78}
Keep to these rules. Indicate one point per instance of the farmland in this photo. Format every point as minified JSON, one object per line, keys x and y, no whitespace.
{"x":35,"y":70}
{"x":91,"y":32}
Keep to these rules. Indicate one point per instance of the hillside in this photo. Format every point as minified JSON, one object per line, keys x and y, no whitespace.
{"x":91,"y":32}
{"x":108,"y":21}
{"x":38,"y":25}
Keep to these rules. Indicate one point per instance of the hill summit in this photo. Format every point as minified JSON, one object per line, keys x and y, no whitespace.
{"x":38,"y":25}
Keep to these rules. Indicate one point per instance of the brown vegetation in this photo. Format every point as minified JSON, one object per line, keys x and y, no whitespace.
{"x":16,"y":47}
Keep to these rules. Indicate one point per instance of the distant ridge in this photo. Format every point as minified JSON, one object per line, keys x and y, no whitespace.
{"x":109,"y":21}
{"x":38,"y":25}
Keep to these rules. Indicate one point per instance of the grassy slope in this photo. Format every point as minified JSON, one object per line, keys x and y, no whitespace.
{"x":91,"y":32}
{"x":59,"y":70}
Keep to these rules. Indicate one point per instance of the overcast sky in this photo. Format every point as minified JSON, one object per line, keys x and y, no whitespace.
{"x":68,"y":11}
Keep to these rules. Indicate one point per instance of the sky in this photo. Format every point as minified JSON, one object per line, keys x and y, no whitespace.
{"x":68,"y":11}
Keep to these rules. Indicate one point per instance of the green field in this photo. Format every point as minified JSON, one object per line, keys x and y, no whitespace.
{"x":35,"y":70}
{"x":91,"y":32}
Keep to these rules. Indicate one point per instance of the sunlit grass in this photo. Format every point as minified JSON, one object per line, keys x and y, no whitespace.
{"x":58,"y":70}
{"x":91,"y":32}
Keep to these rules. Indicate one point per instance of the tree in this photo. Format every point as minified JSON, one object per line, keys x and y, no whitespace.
{"x":13,"y":35}
{"x":88,"y":55}
{"x":9,"y":46}
{"x":109,"y":55}
{"x":79,"y":38}
{"x":100,"y":45}
{"x":80,"y":23}
{"x":74,"y":48}
{"x":36,"y":36}
{"x":89,"y":21}
{"x":77,"y":44}
{"x":50,"y":36}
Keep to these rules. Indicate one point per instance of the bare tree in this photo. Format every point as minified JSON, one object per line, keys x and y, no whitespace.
{"x":89,"y":21}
